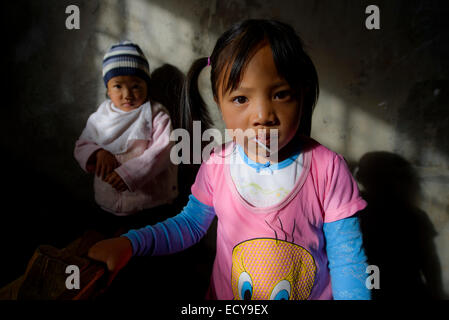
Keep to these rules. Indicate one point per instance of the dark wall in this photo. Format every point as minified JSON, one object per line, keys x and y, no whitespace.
{"x":48,"y":76}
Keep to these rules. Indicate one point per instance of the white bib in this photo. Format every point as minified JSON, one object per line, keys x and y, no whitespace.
{"x":264,"y":186}
{"x":114,"y":129}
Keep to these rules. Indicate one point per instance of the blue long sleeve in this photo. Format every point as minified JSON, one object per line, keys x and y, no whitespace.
{"x":347,"y":259}
{"x":174,"y":234}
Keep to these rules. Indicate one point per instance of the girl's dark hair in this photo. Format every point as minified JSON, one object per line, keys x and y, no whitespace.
{"x":232,"y":52}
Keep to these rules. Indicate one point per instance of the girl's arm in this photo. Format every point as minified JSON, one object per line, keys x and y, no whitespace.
{"x":174,"y":234}
{"x":135,"y":172}
{"x":347,"y":259}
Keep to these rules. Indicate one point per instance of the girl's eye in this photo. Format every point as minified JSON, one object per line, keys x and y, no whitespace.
{"x":240,"y":100}
{"x":282,"y":95}
{"x":117,"y":86}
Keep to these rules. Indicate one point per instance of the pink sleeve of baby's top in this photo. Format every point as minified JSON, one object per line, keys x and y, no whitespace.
{"x":341,"y":194}
{"x":155,"y":159}
{"x":84,"y":149}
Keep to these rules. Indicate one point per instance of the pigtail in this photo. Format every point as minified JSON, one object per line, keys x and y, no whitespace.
{"x":193,"y":107}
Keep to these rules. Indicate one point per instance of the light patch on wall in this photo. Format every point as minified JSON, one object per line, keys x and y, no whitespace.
{"x":349,"y":130}
{"x":367,"y":133}
{"x":109,"y":30}
{"x":329,"y":118}
{"x":161,"y":33}
{"x":148,"y":25}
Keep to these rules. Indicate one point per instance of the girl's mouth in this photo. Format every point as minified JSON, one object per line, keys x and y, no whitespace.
{"x":263,"y":139}
{"x":266,"y":137}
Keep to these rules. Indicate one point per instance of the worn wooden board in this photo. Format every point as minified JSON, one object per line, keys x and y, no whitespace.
{"x":45,"y":275}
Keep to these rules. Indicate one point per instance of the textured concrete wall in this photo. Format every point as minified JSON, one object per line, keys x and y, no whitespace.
{"x":383,"y":90}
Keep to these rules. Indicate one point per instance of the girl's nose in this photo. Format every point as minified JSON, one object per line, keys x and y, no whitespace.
{"x":263,"y":115}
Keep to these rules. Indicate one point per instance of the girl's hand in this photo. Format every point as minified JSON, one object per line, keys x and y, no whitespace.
{"x":116,"y":182}
{"x":105,"y":164}
{"x":115,"y":252}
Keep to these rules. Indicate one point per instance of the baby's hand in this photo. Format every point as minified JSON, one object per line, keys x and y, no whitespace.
{"x":115,"y":252}
{"x":116,"y":182}
{"x":105,"y":164}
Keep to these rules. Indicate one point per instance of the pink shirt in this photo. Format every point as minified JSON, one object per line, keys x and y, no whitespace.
{"x":280,"y":248}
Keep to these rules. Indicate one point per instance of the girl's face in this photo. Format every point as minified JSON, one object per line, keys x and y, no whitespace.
{"x":263,"y":100}
{"x":127,"y":92}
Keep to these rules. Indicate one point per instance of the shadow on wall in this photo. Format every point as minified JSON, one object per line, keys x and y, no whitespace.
{"x":166,"y":88}
{"x":398,"y":236}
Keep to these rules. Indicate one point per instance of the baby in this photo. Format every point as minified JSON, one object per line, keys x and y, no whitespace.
{"x":126,"y":142}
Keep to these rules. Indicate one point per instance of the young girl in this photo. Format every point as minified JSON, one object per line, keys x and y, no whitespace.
{"x":126,"y":142}
{"x":286,"y":230}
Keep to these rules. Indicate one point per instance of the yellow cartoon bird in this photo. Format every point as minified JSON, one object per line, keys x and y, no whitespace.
{"x":271,"y":269}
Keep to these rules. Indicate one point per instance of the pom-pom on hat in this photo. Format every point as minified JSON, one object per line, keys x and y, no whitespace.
{"x":125,"y":59}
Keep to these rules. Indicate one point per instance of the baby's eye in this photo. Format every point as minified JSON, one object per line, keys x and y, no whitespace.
{"x":282,"y":95}
{"x":240,"y":100}
{"x":117,"y":86}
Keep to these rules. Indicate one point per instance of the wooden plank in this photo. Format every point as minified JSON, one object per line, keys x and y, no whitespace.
{"x":45,"y":277}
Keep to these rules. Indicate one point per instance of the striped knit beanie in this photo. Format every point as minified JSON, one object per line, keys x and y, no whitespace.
{"x":125,"y":59}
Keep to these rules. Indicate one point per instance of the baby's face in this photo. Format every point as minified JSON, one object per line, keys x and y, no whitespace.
{"x":127,"y":92}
